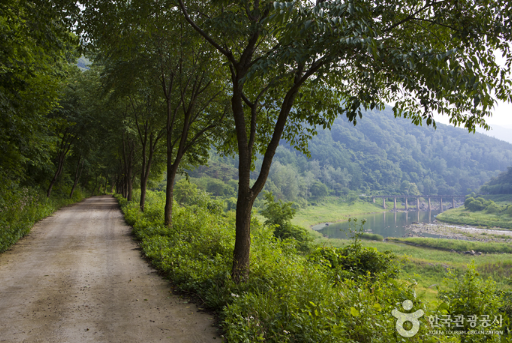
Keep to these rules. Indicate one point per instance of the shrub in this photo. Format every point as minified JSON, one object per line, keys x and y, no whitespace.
{"x":371,"y":236}
{"x":492,"y":208}
{"x":480,"y":204}
{"x":352,"y":261}
{"x":279,"y":215}
{"x":469,"y":295}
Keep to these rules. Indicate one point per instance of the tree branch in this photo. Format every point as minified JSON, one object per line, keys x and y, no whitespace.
{"x":217,"y":46}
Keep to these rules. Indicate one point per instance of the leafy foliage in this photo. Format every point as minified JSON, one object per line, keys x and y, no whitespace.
{"x":478,"y":204}
{"x":288,"y":297}
{"x":279,"y":216}
{"x":501,"y":184}
{"x":469,"y":295}
{"x":380,"y":154}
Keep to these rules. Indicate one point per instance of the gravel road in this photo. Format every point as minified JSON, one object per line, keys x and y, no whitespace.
{"x":78,"y":277}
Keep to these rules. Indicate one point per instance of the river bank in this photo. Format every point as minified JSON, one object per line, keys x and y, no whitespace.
{"x":464,"y":232}
{"x":333,"y":210}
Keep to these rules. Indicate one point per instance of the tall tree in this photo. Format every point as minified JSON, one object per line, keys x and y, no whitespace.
{"x":36,"y":46}
{"x":293,"y":63}
{"x":159,"y":47}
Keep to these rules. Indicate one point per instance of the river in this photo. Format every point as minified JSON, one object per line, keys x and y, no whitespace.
{"x":386,"y":224}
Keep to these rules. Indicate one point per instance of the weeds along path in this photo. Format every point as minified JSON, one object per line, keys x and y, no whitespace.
{"x":78,"y":277}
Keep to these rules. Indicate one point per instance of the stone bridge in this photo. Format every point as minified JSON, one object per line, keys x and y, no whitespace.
{"x":417,"y":197}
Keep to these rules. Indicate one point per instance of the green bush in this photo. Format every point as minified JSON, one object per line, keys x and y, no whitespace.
{"x":469,"y":295}
{"x":480,"y":204}
{"x":354,"y":260}
{"x":279,"y":215}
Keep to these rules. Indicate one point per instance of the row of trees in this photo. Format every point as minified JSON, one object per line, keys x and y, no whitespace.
{"x":174,"y":78}
{"x":294,"y":63}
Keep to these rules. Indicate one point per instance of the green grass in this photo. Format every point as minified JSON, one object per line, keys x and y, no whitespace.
{"x":332,"y":209}
{"x":428,"y":266}
{"x":21,"y":208}
{"x":479,"y":218}
{"x":457,"y":245}
{"x":371,"y":236}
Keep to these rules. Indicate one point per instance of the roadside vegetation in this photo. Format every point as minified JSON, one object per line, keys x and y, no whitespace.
{"x":175,"y":84}
{"x":322,"y":294}
{"x":22,"y":207}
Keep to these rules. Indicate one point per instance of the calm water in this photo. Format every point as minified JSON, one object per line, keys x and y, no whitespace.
{"x":387,"y":224}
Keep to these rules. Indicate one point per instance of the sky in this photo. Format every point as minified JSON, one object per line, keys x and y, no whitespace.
{"x":502,"y":116}
{"x":502,"y":113}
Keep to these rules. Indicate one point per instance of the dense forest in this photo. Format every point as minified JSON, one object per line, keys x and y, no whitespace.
{"x":501,"y":184}
{"x":380,"y":155}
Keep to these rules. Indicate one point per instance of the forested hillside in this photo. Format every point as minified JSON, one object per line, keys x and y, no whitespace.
{"x":380,"y":154}
{"x":501,"y":184}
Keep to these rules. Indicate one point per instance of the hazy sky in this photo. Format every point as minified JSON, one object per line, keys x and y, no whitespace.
{"x":502,"y":114}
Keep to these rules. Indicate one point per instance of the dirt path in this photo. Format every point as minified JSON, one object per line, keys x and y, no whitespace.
{"x":78,"y":277}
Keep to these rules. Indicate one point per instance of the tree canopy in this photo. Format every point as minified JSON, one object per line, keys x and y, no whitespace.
{"x":299,"y":62}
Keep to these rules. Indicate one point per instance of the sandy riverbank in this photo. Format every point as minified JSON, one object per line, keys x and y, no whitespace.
{"x":465,"y":232}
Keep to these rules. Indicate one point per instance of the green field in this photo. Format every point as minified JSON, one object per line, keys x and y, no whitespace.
{"x":456,"y":244}
{"x":333,"y":209}
{"x":461,"y":215}
{"x":428,"y":266}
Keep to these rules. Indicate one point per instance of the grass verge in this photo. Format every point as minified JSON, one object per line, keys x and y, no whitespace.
{"x":21,"y":208}
{"x":324,"y":296}
{"x":429,"y":267}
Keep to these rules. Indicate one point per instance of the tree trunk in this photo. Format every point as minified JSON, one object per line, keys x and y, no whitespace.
{"x":95,"y":186}
{"x":64,"y":147}
{"x":241,"y":253}
{"x":56,"y":175}
{"x":169,"y":195}
{"x":247,"y":194}
{"x":113,"y":183}
{"x":128,"y":152}
{"x":106,"y":184}
{"x":79,"y":167}
{"x":146,"y":168}
{"x":172,"y":170}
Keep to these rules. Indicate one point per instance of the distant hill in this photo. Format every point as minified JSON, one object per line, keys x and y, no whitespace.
{"x":381,"y":154}
{"x":501,"y":184}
